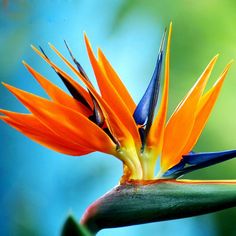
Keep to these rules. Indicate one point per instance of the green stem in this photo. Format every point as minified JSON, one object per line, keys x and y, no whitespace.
{"x":149,"y":201}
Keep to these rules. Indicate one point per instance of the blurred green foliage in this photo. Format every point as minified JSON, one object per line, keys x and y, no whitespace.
{"x":15,"y":30}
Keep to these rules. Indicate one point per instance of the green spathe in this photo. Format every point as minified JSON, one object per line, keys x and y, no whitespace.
{"x":149,"y":201}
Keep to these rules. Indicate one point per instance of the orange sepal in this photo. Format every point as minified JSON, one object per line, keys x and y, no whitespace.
{"x":111,"y":96}
{"x":76,"y":85}
{"x":180,"y":124}
{"x":66,"y":122}
{"x":116,"y":82}
{"x":57,"y":95}
{"x":115,"y":125}
{"x":35,"y":130}
{"x":205,"y":107}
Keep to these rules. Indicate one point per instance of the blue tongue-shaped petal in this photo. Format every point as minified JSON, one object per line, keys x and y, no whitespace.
{"x":195,"y":161}
{"x":144,"y":111}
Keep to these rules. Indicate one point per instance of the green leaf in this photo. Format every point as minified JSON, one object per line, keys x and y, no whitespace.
{"x":72,"y":228}
{"x":150,"y":201}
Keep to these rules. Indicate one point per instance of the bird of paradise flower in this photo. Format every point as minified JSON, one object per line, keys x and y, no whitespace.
{"x":115,"y":124}
{"x":111,"y":122}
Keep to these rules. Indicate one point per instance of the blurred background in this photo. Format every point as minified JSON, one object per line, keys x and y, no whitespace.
{"x":40,"y":188}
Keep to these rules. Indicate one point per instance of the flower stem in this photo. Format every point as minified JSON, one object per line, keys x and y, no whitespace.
{"x":142,"y":201}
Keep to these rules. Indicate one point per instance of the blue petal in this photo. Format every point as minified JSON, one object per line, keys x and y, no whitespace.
{"x":195,"y":161}
{"x":208,"y":158}
{"x":79,"y":67}
{"x":145,"y":109}
{"x":174,"y":169}
{"x":147,"y":103}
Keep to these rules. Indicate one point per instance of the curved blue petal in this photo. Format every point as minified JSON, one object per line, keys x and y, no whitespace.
{"x":195,"y":161}
{"x":175,"y":169}
{"x":208,"y":158}
{"x":149,"y":99}
{"x":145,"y":109}
{"x":79,"y":67}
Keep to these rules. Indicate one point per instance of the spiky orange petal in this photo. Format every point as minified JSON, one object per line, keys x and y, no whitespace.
{"x":204,"y":109}
{"x":180,"y":124}
{"x":66,"y":122}
{"x":116,"y":82}
{"x":35,"y":130}
{"x":114,"y":123}
{"x":57,"y":94}
{"x":111,"y":96}
{"x":77,"y":86}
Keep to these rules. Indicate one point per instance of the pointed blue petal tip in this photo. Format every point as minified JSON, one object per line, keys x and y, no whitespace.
{"x":195,"y":161}
{"x":144,"y":111}
{"x":146,"y":104}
